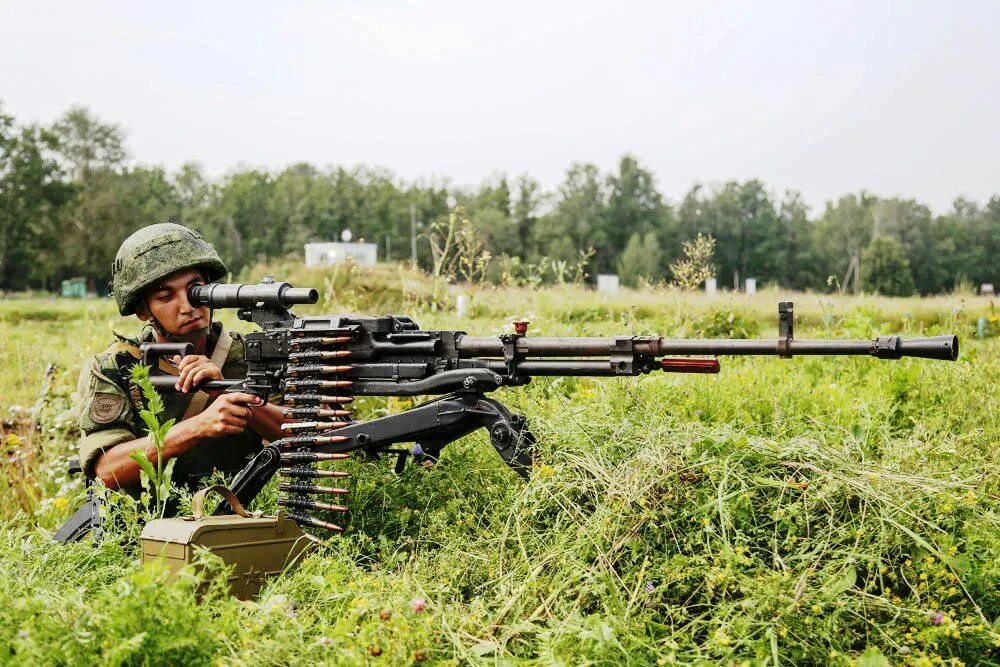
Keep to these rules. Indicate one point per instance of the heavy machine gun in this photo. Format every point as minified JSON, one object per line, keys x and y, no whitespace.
{"x":314,"y":366}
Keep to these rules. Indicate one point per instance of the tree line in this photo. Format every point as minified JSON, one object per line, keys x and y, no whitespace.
{"x":69,"y":195}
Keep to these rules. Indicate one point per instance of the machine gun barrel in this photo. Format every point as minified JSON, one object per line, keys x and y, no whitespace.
{"x":884,"y":347}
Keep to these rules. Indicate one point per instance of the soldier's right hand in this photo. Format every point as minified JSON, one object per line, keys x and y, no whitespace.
{"x":227,"y":415}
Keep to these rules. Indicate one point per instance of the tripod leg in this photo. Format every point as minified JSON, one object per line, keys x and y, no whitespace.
{"x":510,"y":436}
{"x":439,"y":422}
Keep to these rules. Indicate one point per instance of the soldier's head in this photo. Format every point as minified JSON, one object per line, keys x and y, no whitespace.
{"x":151,"y":274}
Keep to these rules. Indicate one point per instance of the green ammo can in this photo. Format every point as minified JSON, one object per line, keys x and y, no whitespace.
{"x":256,"y":547}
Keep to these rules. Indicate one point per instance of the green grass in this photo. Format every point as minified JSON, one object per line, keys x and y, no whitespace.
{"x":809,"y":511}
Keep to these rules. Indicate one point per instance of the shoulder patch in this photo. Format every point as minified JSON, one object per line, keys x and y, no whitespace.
{"x":106,"y":407}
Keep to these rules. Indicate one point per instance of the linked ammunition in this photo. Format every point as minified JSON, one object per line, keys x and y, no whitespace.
{"x":296,"y":385}
{"x":312,"y":426}
{"x":311,"y":521}
{"x":319,"y":341}
{"x":305,"y":413}
{"x":298,"y":487}
{"x":311,"y":457}
{"x":301,"y":370}
{"x":314,"y":399}
{"x":306,"y":440}
{"x":301,"y":503}
{"x":314,"y":355}
{"x":312,"y":473}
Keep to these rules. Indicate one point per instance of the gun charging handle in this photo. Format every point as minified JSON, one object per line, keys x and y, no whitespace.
{"x":151,"y":353}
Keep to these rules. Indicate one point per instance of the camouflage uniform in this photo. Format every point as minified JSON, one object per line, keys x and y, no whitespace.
{"x":110,"y":403}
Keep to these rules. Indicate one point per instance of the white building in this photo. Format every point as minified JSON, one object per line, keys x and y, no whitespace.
{"x":318,"y":254}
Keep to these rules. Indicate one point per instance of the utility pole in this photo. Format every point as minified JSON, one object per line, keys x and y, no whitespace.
{"x":413,"y":233}
{"x":853,"y":275}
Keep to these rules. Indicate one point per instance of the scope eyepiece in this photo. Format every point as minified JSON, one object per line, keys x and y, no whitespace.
{"x":236,"y":295}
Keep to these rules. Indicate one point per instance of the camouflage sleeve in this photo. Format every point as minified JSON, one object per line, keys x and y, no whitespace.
{"x":235,"y":366}
{"x":104,"y":414}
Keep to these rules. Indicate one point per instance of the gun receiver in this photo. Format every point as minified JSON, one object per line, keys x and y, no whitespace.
{"x":315,"y":362}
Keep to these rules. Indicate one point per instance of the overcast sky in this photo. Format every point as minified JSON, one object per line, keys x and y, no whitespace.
{"x":827,"y":98}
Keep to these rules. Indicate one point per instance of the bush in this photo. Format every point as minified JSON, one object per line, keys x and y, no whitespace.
{"x":885,"y":268}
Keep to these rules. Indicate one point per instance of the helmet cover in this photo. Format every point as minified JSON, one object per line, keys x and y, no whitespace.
{"x":153,"y":253}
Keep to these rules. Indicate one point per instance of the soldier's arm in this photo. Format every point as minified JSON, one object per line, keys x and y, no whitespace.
{"x":116,"y":467}
{"x":227,"y":415}
{"x":193,"y":369}
{"x":266,"y":420}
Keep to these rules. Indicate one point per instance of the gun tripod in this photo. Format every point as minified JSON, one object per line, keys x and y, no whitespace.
{"x":431,"y":425}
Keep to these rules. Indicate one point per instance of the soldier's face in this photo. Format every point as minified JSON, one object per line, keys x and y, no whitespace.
{"x":167,"y":301}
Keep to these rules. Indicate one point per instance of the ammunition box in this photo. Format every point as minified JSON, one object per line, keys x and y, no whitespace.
{"x":254,"y":547}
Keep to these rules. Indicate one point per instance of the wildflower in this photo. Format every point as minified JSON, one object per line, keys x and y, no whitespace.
{"x":721,"y":638}
{"x":545,"y":470}
{"x":417,"y":449}
{"x":650,"y":587}
{"x":418,"y":605}
{"x":937,"y":618}
{"x":14,"y":440}
{"x":60,"y":503}
{"x":324,"y":641}
{"x":952,"y":590}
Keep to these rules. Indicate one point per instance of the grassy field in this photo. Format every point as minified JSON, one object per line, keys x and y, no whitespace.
{"x":812,"y":511}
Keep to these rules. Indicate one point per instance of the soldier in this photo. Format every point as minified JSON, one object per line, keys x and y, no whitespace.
{"x":151,"y":274}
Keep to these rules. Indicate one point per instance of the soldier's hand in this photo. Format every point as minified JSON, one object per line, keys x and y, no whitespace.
{"x":194,"y":369}
{"x":227,"y":415}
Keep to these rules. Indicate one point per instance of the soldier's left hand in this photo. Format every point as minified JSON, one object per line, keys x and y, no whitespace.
{"x":195,"y":369}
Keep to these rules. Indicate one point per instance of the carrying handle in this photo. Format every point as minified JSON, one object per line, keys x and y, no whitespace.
{"x":198,"y":501}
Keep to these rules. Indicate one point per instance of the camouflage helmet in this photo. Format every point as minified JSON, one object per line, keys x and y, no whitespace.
{"x":155,"y":252}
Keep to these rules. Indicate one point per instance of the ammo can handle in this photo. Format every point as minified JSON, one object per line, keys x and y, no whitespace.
{"x":198,"y":501}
